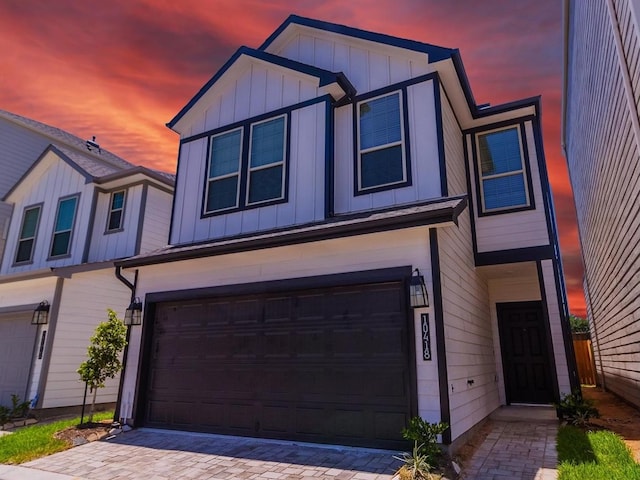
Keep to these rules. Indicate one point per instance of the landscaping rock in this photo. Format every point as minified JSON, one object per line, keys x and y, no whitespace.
{"x":77,"y":441}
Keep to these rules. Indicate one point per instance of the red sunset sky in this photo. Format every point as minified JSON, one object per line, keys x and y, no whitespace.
{"x":121,"y":69}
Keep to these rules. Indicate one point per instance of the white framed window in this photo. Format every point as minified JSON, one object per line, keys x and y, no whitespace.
{"x":501,"y":167}
{"x":223,"y":176}
{"x":381,"y":158}
{"x":267,"y":154}
{"x":28,"y":233}
{"x":116,"y":211}
{"x":63,"y":227}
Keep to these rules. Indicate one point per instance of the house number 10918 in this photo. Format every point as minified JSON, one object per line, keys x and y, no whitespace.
{"x":426,"y":338}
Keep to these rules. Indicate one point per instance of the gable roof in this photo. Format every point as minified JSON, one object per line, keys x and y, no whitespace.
{"x":325,"y":77}
{"x":434,"y":52}
{"x":94,"y":164}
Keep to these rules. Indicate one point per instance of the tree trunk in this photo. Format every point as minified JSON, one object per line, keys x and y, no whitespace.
{"x":93,"y":404}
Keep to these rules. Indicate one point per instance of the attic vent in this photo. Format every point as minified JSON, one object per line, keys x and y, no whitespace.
{"x":93,"y":145}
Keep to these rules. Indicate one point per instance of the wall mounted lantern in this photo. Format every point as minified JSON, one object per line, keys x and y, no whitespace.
{"x":41,"y":314}
{"x":418,"y":291}
{"x":133,"y":314}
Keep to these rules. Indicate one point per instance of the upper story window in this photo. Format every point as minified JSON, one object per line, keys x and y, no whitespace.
{"x":238,"y":179}
{"x":266,"y":161}
{"x":63,"y":227}
{"x":28,"y":232}
{"x":381,"y":161}
{"x":503,"y":177}
{"x":116,"y":211}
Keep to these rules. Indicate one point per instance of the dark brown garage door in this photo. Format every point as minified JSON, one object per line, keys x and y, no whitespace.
{"x":324,"y":365}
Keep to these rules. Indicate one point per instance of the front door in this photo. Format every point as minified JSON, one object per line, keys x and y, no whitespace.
{"x":525,"y":353}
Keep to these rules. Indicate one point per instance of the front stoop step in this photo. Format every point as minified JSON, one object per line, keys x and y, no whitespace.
{"x":525,"y":413}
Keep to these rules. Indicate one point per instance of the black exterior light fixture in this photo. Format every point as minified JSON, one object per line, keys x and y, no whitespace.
{"x":133,"y":314}
{"x":41,"y":314}
{"x":418,"y":290}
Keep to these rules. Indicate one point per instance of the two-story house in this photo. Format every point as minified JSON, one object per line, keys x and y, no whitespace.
{"x":75,"y":210}
{"x":323,"y":180}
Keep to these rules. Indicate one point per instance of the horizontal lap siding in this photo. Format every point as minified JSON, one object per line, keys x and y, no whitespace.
{"x":468,"y":330}
{"x":453,"y":149}
{"x":604,"y":163}
{"x":305,"y":186}
{"x":519,"y":229}
{"x":80,"y":313}
{"x":424,"y":159}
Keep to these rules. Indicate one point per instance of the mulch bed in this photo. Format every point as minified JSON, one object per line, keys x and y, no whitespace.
{"x":87,"y":432}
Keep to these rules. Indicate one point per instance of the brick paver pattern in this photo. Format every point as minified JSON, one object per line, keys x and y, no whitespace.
{"x":515,"y":451}
{"x":147,"y":454}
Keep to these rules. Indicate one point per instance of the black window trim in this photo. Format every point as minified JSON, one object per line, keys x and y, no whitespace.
{"x":17,"y":263}
{"x":243,"y":184}
{"x":520,"y":126}
{"x":73,"y":227}
{"x":406,"y":148}
{"x":120,"y":228}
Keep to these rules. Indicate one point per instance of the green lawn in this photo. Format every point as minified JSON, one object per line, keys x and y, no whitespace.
{"x":36,"y":441}
{"x":600,"y":455}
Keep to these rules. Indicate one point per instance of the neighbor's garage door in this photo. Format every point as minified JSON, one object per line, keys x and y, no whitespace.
{"x":17,"y":337}
{"x":324,"y":365}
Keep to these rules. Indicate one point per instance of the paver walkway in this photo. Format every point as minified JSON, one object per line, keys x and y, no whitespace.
{"x":154,"y":454}
{"x":517,"y":448}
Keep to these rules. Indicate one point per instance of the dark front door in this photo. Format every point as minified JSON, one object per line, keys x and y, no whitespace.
{"x":322,"y":365}
{"x":525,"y":353}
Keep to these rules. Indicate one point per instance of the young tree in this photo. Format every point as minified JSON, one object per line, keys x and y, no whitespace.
{"x":104,"y":355}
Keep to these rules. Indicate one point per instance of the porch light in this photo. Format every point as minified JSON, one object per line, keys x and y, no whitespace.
{"x":133,"y":314}
{"x":41,"y":314}
{"x":418,"y":290}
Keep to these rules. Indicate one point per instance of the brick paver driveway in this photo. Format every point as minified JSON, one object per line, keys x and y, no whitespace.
{"x":158,"y":454}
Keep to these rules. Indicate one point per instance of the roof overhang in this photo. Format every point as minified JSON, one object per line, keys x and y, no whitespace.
{"x":439,"y":212}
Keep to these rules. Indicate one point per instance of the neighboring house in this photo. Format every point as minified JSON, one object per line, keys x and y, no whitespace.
{"x":315,"y":174}
{"x":75,"y":210}
{"x":601,"y":141}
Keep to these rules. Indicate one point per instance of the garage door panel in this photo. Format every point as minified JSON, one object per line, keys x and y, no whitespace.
{"x":323,"y":365}
{"x":17,"y":338}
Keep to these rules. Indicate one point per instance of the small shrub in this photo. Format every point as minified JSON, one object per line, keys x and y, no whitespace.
{"x":576,"y":409}
{"x":5,"y":415}
{"x":425,"y":437}
{"x":416,"y":466}
{"x":19,"y":409}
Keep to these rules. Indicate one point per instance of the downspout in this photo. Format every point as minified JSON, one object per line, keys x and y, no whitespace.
{"x":125,"y":354}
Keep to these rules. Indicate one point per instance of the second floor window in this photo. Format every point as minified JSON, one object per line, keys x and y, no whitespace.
{"x":381,"y":152}
{"x":28,"y":232}
{"x":503,"y":182}
{"x":63,"y":228}
{"x":238,"y":179}
{"x":116,"y":211}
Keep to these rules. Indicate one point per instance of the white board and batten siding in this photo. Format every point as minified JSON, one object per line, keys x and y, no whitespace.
{"x":156,"y":221}
{"x":306,"y":186}
{"x":468,"y":331}
{"x":260,"y":89}
{"x":512,"y":230}
{"x":341,"y":255}
{"x":48,"y":182}
{"x":80,"y":312}
{"x":367,"y":65}
{"x":605,"y":176}
{"x":424,"y":163}
{"x":122,"y":242}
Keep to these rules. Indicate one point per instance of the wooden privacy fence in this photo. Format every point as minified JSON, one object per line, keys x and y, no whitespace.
{"x":584,"y":359}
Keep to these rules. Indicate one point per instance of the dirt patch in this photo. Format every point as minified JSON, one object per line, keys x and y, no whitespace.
{"x":88,"y":432}
{"x":617,"y":416}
